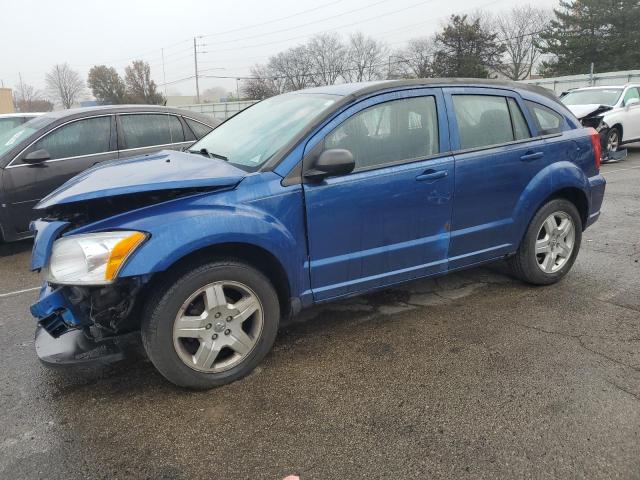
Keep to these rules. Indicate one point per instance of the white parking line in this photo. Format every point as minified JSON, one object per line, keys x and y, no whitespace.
{"x":18,"y":292}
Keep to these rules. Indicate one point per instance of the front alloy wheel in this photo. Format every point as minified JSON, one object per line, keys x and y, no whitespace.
{"x":613,"y":140}
{"x":210,"y":325}
{"x":218,"y":326}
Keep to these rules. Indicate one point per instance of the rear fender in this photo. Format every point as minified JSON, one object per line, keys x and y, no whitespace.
{"x":551,"y":179}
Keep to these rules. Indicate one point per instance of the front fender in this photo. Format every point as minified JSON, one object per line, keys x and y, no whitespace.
{"x":259,"y":213}
{"x":549,"y":180}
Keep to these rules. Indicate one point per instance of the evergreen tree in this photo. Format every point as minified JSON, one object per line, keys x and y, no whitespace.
{"x":465,"y":49}
{"x":604,"y":32}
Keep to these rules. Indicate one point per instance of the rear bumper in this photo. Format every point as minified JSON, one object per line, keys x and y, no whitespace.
{"x":597,"y":186}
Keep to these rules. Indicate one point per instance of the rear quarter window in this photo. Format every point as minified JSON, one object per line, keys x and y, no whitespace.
{"x":547,"y":121}
{"x":199,"y":129}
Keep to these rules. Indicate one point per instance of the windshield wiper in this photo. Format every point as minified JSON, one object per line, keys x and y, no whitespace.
{"x":207,"y":153}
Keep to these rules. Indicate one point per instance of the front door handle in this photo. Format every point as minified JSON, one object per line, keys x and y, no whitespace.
{"x":531,"y":156}
{"x":431,"y":175}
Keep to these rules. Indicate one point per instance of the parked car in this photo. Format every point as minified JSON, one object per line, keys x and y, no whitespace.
{"x":9,"y":121}
{"x":307,"y":198}
{"x":613,"y":111}
{"x":41,"y":154}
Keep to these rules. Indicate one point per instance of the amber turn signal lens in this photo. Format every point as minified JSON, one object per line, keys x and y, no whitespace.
{"x":120,"y":253}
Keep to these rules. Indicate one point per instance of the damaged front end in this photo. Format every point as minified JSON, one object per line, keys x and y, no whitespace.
{"x":86,"y":308}
{"x":593,"y":117}
{"x":81,"y":323}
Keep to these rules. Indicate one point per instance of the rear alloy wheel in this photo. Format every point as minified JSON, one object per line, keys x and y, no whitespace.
{"x":211,"y":325}
{"x":555,"y":242}
{"x":550,"y":245}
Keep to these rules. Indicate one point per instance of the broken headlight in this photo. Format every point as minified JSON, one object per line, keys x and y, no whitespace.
{"x":92,"y":258}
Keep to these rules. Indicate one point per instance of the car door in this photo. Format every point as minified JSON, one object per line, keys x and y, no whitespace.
{"x":496,"y":156}
{"x":142,"y":133}
{"x":388,"y":220}
{"x":73,"y":147}
{"x":632,"y":115}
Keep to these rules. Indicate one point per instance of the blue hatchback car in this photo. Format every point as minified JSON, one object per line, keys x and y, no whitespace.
{"x":305,"y":198}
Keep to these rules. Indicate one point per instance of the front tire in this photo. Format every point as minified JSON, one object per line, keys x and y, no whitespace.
{"x":550,"y":245}
{"x":211,"y":325}
{"x":613,"y":140}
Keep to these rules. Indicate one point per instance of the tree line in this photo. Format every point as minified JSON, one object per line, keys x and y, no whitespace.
{"x":514,"y":44}
{"x":65,"y":86}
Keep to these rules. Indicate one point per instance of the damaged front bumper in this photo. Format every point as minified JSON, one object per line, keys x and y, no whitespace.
{"x":65,"y":332}
{"x":77,"y":348}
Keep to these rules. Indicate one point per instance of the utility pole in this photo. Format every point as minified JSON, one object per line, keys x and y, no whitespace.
{"x":195,"y":61}
{"x":164,"y":75}
{"x":237,"y":89}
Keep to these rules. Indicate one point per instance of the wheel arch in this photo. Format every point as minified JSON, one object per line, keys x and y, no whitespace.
{"x":253,"y":255}
{"x":558,"y":180}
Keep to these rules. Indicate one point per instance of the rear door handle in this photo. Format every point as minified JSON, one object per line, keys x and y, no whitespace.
{"x":431,"y":175}
{"x":532,"y":156}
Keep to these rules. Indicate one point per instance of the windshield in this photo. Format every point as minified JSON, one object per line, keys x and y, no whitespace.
{"x":11,"y":138}
{"x":593,"y":96}
{"x":251,"y":137}
{"x":9,"y":123}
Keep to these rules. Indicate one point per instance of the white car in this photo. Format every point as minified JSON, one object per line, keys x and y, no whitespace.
{"x":12,"y":120}
{"x":613,"y":111}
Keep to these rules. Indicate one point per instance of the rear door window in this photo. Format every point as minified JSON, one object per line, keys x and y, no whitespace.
{"x":520,"y":127}
{"x":483,"y":120}
{"x":148,"y":130}
{"x":82,"y":137}
{"x":547,"y":120}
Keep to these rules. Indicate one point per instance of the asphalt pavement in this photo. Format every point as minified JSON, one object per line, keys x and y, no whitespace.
{"x":473,"y":375}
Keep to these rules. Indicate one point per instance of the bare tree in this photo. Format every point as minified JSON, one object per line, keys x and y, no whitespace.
{"x":263,"y":84}
{"x":365,"y":58}
{"x":416,"y":60}
{"x":27,"y":99}
{"x":64,"y":84}
{"x":328,"y":57}
{"x":139,"y":85}
{"x":519,"y":31}
{"x":293,"y":67}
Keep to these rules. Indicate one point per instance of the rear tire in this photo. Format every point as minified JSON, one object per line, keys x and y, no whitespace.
{"x":550,"y":245}
{"x":211,"y":325}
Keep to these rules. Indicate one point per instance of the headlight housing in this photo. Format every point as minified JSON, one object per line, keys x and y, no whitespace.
{"x":92,"y":258}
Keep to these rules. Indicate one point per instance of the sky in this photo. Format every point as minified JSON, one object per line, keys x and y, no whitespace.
{"x":232,"y":35}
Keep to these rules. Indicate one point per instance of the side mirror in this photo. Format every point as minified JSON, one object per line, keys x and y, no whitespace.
{"x":37,"y":156}
{"x":632,"y":101}
{"x":332,"y":162}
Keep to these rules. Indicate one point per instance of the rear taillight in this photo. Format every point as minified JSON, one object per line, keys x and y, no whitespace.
{"x":597,"y":146}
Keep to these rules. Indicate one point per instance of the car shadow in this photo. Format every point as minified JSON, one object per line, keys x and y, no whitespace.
{"x":13,"y":248}
{"x":136,"y":374}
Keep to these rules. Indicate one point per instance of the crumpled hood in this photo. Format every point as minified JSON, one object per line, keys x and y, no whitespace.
{"x":581,"y":111}
{"x":165,"y":170}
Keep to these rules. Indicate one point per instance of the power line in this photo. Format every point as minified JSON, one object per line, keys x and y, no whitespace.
{"x":314,"y":22}
{"x":326,"y":30}
{"x":272,"y":21}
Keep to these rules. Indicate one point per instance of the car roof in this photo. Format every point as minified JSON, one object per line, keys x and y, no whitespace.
{"x":74,"y":113}
{"x":365,"y":88}
{"x":600,"y":87}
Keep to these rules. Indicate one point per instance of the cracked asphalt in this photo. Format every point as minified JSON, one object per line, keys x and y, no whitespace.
{"x":473,"y":375}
